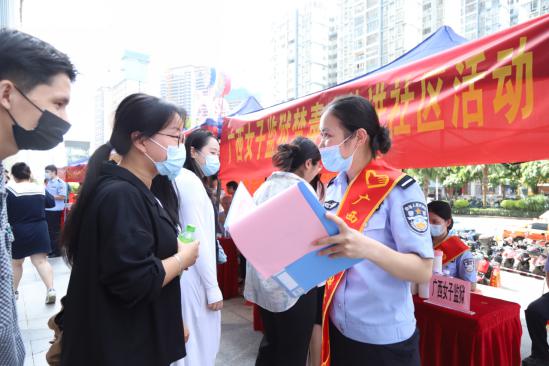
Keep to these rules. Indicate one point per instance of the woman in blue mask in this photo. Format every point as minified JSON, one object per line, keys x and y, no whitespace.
{"x":123,"y":302}
{"x":368,"y":312}
{"x":457,"y":259}
{"x":201,"y":297}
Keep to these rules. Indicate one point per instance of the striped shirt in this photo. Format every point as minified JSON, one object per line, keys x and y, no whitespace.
{"x":12,"y":351}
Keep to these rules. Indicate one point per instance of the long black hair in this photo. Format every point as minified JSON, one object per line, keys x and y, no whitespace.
{"x":198,"y":139}
{"x":356,"y":112}
{"x":140,"y":113}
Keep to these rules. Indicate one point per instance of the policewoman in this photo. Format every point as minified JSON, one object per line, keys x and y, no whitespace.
{"x":457,"y":259}
{"x":368,"y":313}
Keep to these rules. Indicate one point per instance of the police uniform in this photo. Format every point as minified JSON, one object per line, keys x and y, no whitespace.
{"x":371,"y":307}
{"x":463,"y":267}
{"x":56,"y":187}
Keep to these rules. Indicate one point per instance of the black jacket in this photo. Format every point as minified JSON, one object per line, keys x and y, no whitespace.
{"x":116,"y":311}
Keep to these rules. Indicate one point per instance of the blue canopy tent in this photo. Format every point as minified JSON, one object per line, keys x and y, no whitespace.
{"x":443,"y":39}
{"x":250,"y":105}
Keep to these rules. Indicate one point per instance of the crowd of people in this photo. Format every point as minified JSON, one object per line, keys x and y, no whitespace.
{"x":139,"y":294}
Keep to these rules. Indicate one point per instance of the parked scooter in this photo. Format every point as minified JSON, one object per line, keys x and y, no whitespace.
{"x":523,"y":261}
{"x":508,"y":255}
{"x":488,"y":272}
{"x":539,"y":265}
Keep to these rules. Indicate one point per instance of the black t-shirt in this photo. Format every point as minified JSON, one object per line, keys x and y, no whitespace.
{"x":116,"y":310}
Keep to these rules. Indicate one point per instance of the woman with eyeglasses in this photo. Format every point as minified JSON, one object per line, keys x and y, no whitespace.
{"x":201,"y":297}
{"x":121,"y":238}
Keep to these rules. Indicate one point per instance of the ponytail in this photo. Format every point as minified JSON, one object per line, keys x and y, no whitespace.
{"x":290,"y":157}
{"x":73,"y":223}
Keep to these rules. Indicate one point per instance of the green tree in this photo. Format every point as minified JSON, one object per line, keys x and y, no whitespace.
{"x":504,"y":174}
{"x":534,"y":173}
{"x":424,"y":176}
{"x":453,"y":178}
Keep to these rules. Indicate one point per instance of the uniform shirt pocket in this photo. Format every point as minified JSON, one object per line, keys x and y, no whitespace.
{"x":378,"y":221}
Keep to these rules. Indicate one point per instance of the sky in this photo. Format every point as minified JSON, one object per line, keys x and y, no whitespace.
{"x":231,"y":35}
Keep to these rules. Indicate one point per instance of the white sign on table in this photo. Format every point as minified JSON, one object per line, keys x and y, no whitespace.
{"x":450,"y":292}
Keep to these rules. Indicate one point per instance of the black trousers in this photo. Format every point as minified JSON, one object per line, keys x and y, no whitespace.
{"x":54,"y":228}
{"x":537,"y":315}
{"x":288,"y":333}
{"x":242,"y":267}
{"x":348,"y":352}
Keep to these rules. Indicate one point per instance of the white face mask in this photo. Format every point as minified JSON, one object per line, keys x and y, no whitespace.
{"x":437,"y":230}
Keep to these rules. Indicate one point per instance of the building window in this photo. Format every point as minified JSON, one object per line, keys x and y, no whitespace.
{"x":373,"y":26}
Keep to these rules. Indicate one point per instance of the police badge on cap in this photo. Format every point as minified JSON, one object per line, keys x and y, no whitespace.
{"x":416,"y":216}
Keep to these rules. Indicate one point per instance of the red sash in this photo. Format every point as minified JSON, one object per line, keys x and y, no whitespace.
{"x":362,"y":198}
{"x":452,"y":248}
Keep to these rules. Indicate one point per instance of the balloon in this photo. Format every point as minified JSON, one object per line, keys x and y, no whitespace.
{"x":212,"y":77}
{"x":227,"y":88}
{"x":219,"y":85}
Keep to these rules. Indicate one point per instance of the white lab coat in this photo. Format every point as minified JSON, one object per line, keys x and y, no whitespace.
{"x":199,"y":285}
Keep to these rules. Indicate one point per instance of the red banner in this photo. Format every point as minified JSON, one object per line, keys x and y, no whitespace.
{"x":75,"y":173}
{"x":483,"y":102}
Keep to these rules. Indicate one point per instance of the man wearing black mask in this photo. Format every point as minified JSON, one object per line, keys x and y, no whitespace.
{"x":35,"y":86}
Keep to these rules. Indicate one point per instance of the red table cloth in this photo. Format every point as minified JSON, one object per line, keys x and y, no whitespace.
{"x":227,"y":273}
{"x":489,"y":337}
{"x":450,"y":338}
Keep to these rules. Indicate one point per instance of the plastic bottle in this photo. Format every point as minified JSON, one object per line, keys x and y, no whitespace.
{"x":187,"y":236}
{"x":437,"y":262}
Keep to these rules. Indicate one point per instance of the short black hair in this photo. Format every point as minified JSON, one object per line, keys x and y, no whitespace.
{"x":28,"y":61}
{"x":21,"y":171}
{"x":443,"y":210}
{"x":232,"y":184}
{"x":51,"y":168}
{"x":290,"y":157}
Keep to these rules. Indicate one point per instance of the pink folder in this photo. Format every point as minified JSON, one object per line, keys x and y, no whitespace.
{"x":279,"y":231}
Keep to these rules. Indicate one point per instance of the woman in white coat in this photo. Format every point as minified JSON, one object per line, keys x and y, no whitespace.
{"x":201,"y":297}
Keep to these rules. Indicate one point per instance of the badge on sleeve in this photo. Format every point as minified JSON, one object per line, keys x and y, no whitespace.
{"x":469,"y":265}
{"x":416,"y":216}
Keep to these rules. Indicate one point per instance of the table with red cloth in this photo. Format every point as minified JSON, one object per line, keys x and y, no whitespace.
{"x":227,"y":273}
{"x":491,"y":336}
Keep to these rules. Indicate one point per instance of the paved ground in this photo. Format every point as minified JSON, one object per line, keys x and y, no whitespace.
{"x":488,"y":225}
{"x":239,"y":342}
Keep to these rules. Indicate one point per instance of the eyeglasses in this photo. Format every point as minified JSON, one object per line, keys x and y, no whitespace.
{"x":180,"y":138}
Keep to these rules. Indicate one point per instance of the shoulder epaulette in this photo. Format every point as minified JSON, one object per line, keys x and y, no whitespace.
{"x":406,"y":182}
